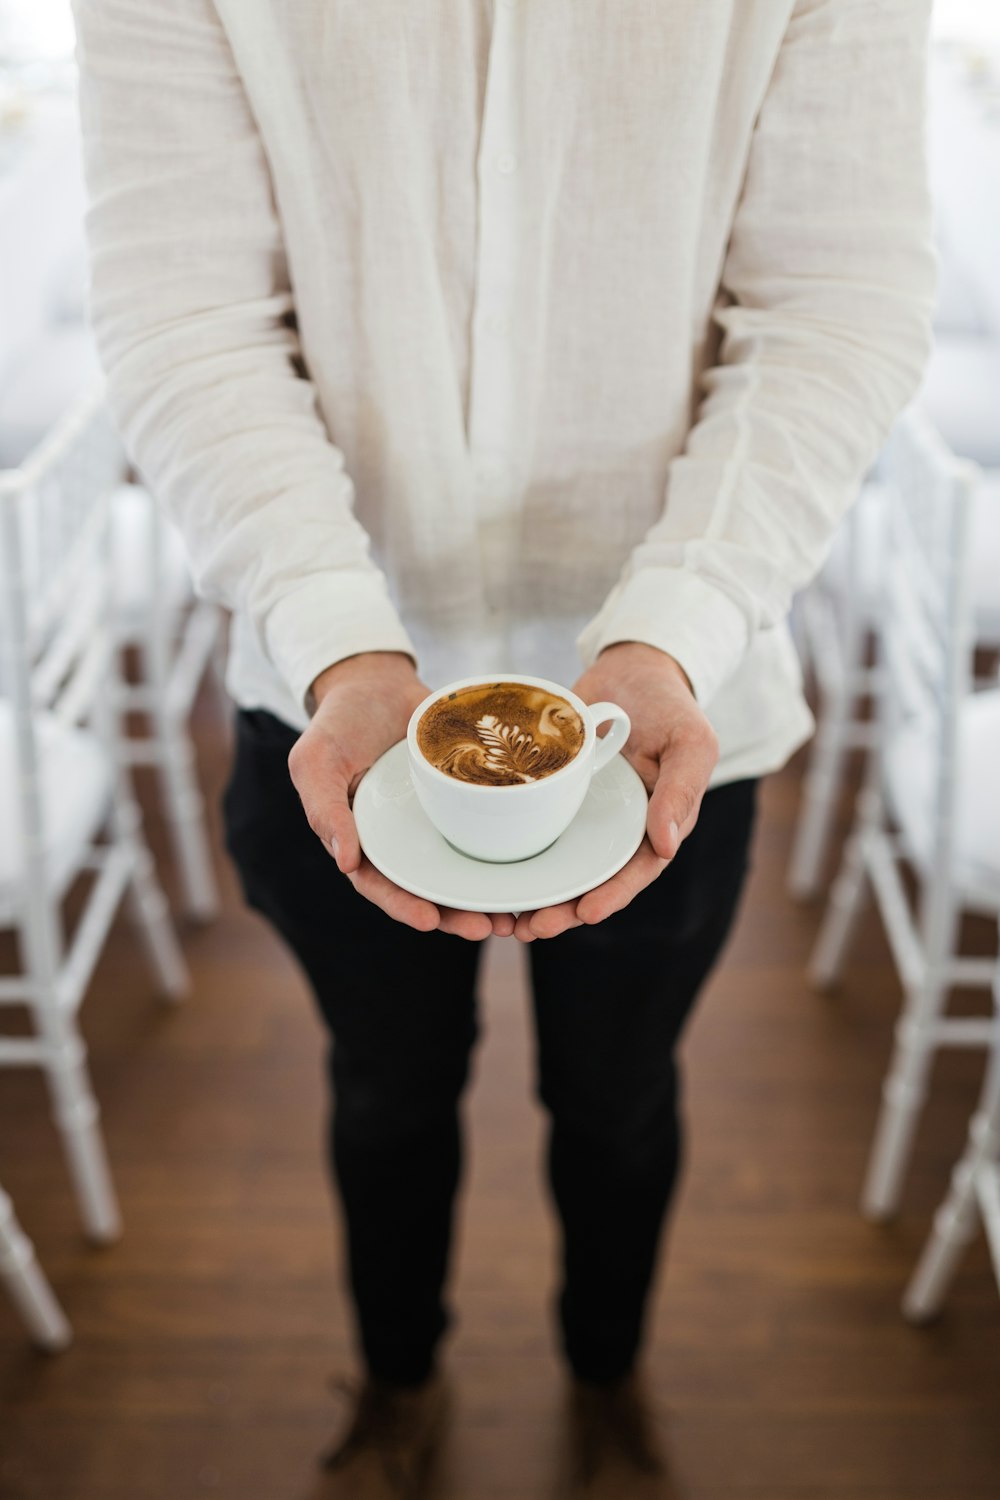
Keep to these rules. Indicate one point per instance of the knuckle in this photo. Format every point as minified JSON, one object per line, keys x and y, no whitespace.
{"x":694,"y":796}
{"x":594,"y":910}
{"x":696,"y":733}
{"x":319,"y":823}
{"x":299,"y":755}
{"x":697,"y":738}
{"x":687,"y":795}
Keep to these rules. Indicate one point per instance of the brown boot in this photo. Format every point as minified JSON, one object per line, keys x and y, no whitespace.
{"x":386,"y":1449}
{"x":615,"y":1450}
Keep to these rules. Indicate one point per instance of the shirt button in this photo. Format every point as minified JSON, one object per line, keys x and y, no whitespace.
{"x":506,"y":163}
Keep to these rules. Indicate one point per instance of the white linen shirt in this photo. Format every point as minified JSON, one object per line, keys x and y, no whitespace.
{"x":500,"y":332}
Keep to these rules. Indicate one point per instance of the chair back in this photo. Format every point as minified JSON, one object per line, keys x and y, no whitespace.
{"x":925,"y":635}
{"x":56,"y":645}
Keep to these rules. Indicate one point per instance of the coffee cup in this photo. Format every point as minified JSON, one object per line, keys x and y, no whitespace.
{"x":501,"y":766}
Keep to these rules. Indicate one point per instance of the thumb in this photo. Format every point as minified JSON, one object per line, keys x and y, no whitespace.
{"x":676,"y":799}
{"x":343,"y":841}
{"x":324,"y":791}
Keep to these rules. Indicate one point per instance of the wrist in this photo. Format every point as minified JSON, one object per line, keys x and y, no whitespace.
{"x":651,"y":656}
{"x":386,"y":664}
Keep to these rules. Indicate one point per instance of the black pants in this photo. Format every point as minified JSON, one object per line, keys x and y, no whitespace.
{"x":610,"y":1002}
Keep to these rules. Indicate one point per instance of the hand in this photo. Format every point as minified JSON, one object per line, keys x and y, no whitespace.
{"x":674,"y":749}
{"x":363,"y":707}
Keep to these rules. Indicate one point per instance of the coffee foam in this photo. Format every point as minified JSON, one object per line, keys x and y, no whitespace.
{"x":500,"y":734}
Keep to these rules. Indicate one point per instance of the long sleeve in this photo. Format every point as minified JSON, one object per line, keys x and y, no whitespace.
{"x":194,"y":316}
{"x":825,"y":309}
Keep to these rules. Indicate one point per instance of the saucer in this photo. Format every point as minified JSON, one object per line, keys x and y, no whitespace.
{"x":401,"y":841}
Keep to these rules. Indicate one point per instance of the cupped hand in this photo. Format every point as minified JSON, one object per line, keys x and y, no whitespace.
{"x":363,"y":705}
{"x":674,"y":749}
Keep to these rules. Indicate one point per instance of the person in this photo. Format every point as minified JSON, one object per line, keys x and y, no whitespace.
{"x":489,"y":336}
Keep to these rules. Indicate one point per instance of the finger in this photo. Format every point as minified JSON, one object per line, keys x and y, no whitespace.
{"x":323,"y":787}
{"x":401,"y":905}
{"x":472,"y":925}
{"x":642,"y":869}
{"x":685,"y":768}
{"x":503,"y":923}
{"x":546,"y":922}
{"x":343,"y":841}
{"x":522,"y":928}
{"x":551,"y":921}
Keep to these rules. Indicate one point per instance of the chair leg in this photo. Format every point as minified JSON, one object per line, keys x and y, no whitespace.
{"x":800,"y":634}
{"x":77,"y":1118}
{"x":917,"y":1038}
{"x":219,"y":661}
{"x":847,"y":901}
{"x":147,"y":903}
{"x":956,"y":1218}
{"x":172,"y":680}
{"x":27,"y":1284}
{"x":823,"y":781}
{"x":74,"y":1107}
{"x":186,"y":818}
{"x":903,"y":1094}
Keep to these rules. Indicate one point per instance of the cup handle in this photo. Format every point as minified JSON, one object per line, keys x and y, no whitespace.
{"x":621,"y":727}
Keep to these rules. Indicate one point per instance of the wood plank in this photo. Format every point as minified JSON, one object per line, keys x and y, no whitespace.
{"x":779,"y":1362}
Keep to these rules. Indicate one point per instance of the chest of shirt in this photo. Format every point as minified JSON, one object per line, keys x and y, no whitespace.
{"x":631,"y":107}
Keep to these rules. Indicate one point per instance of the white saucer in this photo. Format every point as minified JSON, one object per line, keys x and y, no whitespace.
{"x":400,"y":841}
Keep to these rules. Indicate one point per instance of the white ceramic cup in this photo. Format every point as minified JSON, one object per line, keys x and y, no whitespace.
{"x":501,"y":824}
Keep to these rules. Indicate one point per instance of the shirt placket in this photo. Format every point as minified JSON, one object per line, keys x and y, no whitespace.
{"x":494,"y":352}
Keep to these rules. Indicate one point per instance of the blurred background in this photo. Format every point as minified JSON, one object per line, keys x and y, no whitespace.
{"x":829,"y":1319}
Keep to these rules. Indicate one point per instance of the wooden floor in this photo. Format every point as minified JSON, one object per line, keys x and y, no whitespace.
{"x":205,"y":1339}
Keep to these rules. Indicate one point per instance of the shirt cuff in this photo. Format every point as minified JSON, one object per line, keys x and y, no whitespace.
{"x":680,"y":613}
{"x":326,"y":618}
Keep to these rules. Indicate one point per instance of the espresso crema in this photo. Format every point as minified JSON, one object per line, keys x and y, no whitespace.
{"x":500,"y":734}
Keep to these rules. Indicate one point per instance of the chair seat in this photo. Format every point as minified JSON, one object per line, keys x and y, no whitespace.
{"x":132,"y":535}
{"x":961,"y":394}
{"x":75,"y":788}
{"x":910,"y":773}
{"x":42,"y":386}
{"x":957,"y":311}
{"x":869,"y":517}
{"x":984,"y":560}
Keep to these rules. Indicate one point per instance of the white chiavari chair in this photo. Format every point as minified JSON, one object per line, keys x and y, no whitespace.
{"x":66,"y":803}
{"x":973,"y":1198}
{"x":932,"y":798}
{"x":837,"y":619}
{"x":834,"y":622}
{"x":961,"y":394}
{"x":177,"y":640}
{"x":27,"y":1285}
{"x":174,"y":639}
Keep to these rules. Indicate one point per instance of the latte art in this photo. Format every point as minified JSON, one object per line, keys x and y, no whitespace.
{"x":500,"y":734}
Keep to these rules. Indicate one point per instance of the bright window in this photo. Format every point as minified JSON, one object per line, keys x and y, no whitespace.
{"x":976,"y":21}
{"x":35,"y":29}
